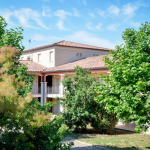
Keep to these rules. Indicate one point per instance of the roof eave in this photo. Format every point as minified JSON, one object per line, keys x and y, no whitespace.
{"x":74,"y":69}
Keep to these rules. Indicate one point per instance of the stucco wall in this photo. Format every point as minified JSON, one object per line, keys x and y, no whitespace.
{"x":56,"y":107}
{"x":65,"y":55}
{"x":45,"y":55}
{"x":35,"y":86}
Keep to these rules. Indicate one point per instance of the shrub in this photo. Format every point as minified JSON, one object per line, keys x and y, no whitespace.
{"x":80,"y":107}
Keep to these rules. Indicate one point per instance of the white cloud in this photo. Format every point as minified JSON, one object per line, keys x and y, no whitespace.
{"x":46,"y":11}
{"x":87,"y":38}
{"x":129,"y":9}
{"x":135,"y":24}
{"x":60,"y":25}
{"x":101,"y":12}
{"x":84,"y":2}
{"x":26,"y":14}
{"x":76,"y":12}
{"x":6,"y":14}
{"x":91,"y":14}
{"x":99,"y":26}
{"x":62,"y":14}
{"x":114,"y":10}
{"x":113,"y":27}
{"x":89,"y":26}
{"x":41,"y":37}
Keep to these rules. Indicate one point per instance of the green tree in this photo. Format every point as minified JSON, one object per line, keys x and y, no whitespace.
{"x":80,"y":107}
{"x":127,"y":89}
{"x":14,"y":37}
{"x":24,"y":124}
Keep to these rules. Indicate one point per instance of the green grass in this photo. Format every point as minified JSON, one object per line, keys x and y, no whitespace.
{"x":116,"y":140}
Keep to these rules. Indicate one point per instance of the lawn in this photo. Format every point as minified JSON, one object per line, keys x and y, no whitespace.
{"x":116,"y":140}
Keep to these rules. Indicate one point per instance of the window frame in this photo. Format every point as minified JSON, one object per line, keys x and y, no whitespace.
{"x":50,"y":54}
{"x":80,"y":55}
{"x":39,"y":58}
{"x":77,"y":55}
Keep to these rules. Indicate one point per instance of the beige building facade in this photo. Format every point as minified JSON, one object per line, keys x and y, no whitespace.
{"x":51,"y":62}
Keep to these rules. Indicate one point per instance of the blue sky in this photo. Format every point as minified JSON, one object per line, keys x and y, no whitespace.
{"x":93,"y":22}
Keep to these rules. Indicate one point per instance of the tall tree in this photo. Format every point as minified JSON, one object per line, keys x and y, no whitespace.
{"x":13,"y":38}
{"x":80,"y":107}
{"x":24,"y":123}
{"x":127,"y":88}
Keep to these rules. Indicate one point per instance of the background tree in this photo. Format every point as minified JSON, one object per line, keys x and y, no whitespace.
{"x":127,"y":89}
{"x":24,"y":124}
{"x":14,"y":37}
{"x":80,"y":107}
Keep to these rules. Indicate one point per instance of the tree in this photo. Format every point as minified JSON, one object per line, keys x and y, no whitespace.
{"x":127,"y":89}
{"x":80,"y":107}
{"x":24,"y":124}
{"x":13,"y":38}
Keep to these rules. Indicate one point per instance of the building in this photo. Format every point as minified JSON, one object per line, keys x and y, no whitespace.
{"x":51,"y":62}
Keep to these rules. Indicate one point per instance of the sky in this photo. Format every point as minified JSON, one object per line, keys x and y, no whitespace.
{"x":94,"y":22}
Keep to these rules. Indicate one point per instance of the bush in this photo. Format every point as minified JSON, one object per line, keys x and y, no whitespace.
{"x":80,"y":107}
{"x":104,"y":121}
{"x":35,"y":133}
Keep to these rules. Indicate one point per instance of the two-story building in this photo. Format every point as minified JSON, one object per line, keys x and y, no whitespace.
{"x":51,"y":62}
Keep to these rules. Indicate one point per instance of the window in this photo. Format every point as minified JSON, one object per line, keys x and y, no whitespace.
{"x":51,"y":56}
{"x":39,"y":57}
{"x":28,"y":58}
{"x":21,"y":58}
{"x":77,"y":55}
{"x":80,"y":55}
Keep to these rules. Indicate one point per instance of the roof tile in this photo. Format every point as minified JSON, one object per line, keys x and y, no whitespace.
{"x":70,"y":44}
{"x":33,"y":66}
{"x":89,"y":62}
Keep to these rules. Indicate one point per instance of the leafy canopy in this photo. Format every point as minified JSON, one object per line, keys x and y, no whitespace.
{"x":80,"y":107}
{"x":24,"y":123}
{"x":13,"y":37}
{"x":127,"y":89}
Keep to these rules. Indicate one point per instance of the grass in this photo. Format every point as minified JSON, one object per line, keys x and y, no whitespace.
{"x":115,"y":140}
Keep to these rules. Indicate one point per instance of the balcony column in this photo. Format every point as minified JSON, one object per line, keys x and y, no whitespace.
{"x":61,"y":90}
{"x":61,"y":85}
{"x":43,"y":91}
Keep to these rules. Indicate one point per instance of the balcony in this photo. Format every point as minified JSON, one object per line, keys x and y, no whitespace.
{"x":36,"y":92}
{"x":54,"y":91}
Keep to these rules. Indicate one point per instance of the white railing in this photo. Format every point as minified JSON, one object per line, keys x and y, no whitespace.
{"x":53,"y":90}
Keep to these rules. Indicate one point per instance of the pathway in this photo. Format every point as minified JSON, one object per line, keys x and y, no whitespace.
{"x":78,"y":145}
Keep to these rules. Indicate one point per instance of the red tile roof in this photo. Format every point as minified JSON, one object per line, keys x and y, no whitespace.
{"x":33,"y":66}
{"x":95,"y":62}
{"x":70,"y":44}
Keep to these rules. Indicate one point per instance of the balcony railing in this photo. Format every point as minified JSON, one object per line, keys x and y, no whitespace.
{"x":53,"y":90}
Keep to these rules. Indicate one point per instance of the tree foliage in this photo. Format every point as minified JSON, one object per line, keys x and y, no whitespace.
{"x":13,"y":37}
{"x":24,"y":123}
{"x":80,"y":107}
{"x":127,"y":89}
